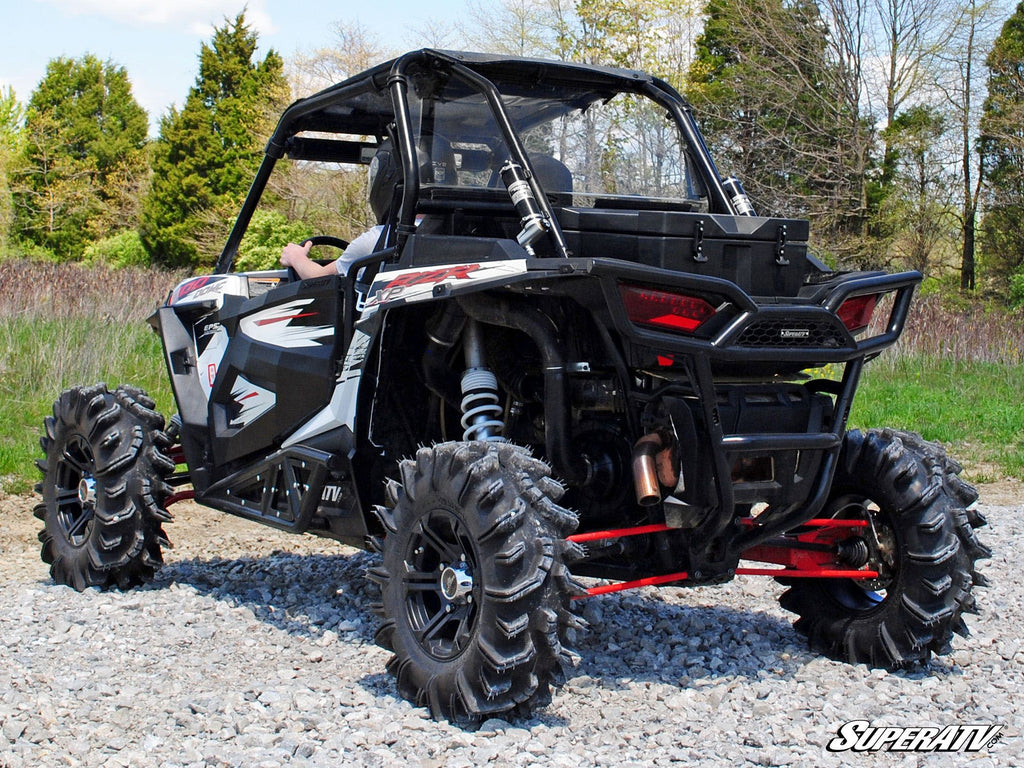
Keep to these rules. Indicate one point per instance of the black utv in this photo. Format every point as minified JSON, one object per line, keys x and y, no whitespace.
{"x":575,"y":361}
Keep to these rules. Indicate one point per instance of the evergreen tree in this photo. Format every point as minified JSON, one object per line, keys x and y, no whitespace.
{"x":208,"y":151}
{"x":11,"y":131}
{"x":1002,"y":148}
{"x":84,"y":156}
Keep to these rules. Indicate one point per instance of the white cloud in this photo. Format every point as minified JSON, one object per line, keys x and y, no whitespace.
{"x":195,"y":16}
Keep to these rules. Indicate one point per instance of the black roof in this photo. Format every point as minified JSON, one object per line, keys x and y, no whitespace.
{"x":362,"y":104}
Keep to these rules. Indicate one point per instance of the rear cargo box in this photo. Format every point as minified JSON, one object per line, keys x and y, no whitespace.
{"x":763,"y":256}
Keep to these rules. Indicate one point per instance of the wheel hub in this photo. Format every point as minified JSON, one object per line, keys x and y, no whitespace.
{"x":456,"y":583}
{"x":884,"y":559}
{"x":87,"y":491}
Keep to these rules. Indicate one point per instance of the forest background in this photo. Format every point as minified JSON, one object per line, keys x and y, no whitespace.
{"x":895,"y":126}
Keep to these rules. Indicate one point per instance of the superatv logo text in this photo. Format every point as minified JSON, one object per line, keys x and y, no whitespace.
{"x":861,"y":736}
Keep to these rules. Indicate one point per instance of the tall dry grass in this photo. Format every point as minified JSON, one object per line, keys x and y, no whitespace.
{"x":971,"y":334}
{"x":62,"y":325}
{"x":34,"y":289}
{"x":65,"y":325}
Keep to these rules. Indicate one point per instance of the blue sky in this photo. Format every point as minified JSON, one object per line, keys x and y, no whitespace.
{"x":157,"y":41}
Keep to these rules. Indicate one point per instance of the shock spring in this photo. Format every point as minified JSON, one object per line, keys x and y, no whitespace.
{"x":481,"y":413}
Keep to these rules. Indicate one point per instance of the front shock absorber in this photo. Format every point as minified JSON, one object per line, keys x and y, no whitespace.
{"x":481,"y":412}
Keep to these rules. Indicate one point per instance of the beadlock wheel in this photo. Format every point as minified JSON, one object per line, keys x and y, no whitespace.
{"x":441,"y":597}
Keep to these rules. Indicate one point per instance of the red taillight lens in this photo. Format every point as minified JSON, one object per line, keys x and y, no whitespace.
{"x":855,"y":313}
{"x":665,"y":311}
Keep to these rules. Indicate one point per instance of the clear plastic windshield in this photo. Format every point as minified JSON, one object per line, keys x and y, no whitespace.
{"x":603,"y":149}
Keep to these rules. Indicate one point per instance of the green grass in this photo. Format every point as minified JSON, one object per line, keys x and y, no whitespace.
{"x":975,"y":409}
{"x":41,"y":357}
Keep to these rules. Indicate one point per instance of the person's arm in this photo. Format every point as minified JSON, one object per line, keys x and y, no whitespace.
{"x":297,"y":257}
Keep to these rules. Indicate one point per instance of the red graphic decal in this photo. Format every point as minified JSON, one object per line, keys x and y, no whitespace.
{"x":211,"y":372}
{"x":246,"y":397}
{"x":192,"y":285}
{"x":269,"y":320}
{"x":434,"y":276}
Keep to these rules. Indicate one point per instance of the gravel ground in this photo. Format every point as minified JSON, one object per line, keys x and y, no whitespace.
{"x":255,"y":648}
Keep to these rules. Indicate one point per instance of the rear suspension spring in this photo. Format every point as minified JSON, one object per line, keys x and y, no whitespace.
{"x":481,"y":412}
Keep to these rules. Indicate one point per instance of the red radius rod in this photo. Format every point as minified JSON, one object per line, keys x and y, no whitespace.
{"x":787,"y":572}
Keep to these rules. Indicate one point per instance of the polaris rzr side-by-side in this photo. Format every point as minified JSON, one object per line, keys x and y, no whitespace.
{"x":575,"y":362}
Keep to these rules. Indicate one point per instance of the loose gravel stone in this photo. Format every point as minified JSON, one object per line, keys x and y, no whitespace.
{"x":255,"y":648}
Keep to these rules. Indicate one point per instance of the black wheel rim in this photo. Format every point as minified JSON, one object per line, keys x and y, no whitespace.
{"x":867,"y":594}
{"x":76,"y":490}
{"x":441,"y":595}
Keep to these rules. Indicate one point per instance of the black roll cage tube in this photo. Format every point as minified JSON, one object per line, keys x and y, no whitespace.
{"x":276,"y":149}
{"x":398,"y":81}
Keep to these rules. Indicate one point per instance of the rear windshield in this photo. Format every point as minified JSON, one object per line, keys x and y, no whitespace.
{"x":599,"y":147}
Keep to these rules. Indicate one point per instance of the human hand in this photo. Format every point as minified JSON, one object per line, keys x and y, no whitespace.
{"x":294,"y":254}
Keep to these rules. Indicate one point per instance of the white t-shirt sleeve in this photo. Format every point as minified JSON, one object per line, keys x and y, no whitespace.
{"x":362,"y":246}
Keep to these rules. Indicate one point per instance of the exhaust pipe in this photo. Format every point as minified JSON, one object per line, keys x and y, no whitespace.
{"x":645,"y":470}
{"x":654,"y":465}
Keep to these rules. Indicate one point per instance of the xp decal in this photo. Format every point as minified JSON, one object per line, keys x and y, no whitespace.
{"x":417,"y":284}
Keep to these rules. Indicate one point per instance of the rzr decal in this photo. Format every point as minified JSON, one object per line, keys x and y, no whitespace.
{"x":418,"y":284}
{"x":251,"y":401}
{"x":201,"y":290}
{"x":278,"y":326}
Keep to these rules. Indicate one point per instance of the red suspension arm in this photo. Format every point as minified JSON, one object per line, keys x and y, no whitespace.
{"x":808,"y":555}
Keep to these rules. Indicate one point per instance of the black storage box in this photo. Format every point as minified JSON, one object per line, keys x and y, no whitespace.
{"x":763,"y":256}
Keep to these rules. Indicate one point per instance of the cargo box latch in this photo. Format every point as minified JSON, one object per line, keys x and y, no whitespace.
{"x":698,"y":242}
{"x":780,"y":246}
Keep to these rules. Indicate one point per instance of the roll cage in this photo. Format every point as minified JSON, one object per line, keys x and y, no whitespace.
{"x":347,"y":122}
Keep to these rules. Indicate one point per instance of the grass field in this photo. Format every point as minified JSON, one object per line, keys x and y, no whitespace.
{"x":62,"y":326}
{"x":973,"y":408}
{"x":957,"y":377}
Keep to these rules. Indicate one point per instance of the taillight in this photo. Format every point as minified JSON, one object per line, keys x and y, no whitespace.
{"x":663,"y":310}
{"x":855,"y":313}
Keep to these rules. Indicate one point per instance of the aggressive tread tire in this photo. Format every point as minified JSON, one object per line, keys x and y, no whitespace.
{"x":918,"y":502}
{"x":103,"y":488}
{"x":486,"y":513}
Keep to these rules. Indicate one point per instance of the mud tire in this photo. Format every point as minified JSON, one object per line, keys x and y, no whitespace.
{"x":103,"y":488}
{"x":913,"y":492}
{"x":488,"y":513}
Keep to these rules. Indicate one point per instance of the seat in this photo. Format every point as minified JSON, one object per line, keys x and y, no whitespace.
{"x":552,"y":174}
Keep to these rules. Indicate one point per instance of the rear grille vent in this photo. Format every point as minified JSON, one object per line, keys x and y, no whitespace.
{"x":785,"y":332}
